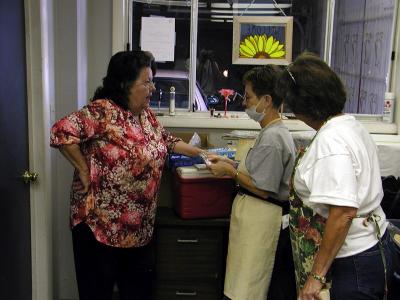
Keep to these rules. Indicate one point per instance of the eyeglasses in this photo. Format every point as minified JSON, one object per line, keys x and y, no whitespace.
{"x":148,"y":83}
{"x":290,"y":73}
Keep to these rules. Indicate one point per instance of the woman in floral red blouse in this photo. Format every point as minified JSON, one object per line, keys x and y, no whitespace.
{"x":118,"y":149}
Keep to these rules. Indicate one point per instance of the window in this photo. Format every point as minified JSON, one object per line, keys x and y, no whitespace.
{"x":215,"y":31}
{"x":164,"y":80}
{"x":361,"y":51}
{"x":174,"y":72}
{"x":356,"y":37}
{"x":180,"y":12}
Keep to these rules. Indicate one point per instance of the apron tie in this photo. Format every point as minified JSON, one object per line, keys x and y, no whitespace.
{"x":374,"y":219}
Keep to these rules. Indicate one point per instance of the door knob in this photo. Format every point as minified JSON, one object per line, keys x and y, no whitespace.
{"x":28,"y":177}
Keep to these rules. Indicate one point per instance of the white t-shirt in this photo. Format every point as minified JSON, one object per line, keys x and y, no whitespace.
{"x":341,"y":168}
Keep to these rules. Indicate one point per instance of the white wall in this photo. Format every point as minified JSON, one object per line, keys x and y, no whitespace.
{"x":82,"y":49}
{"x":99,"y":41}
{"x":65,"y":58}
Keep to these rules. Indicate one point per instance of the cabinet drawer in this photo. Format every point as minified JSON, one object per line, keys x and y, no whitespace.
{"x":189,"y":253}
{"x":182,"y":290}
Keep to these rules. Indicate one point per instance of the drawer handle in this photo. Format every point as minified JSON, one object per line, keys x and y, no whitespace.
{"x":185,"y":241}
{"x":178,"y":293}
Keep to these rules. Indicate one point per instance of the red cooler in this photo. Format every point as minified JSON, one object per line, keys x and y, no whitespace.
{"x":199,"y":194}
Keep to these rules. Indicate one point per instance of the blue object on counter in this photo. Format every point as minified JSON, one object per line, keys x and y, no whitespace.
{"x":179,"y":160}
{"x":176,"y":160}
{"x":223,"y":152}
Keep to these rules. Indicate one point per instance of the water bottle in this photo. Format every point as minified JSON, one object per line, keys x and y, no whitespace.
{"x":159,"y":99}
{"x":172,"y":101}
{"x":388,"y":108}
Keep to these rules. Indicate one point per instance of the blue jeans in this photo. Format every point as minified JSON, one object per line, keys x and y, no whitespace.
{"x":361,"y":276}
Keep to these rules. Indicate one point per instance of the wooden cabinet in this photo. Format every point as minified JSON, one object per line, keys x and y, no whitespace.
{"x":190,"y":257}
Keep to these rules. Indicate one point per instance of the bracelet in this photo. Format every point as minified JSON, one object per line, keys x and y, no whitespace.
{"x":321,"y":279}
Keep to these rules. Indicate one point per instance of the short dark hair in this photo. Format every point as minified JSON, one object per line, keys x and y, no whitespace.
{"x":263,"y":80}
{"x":123,"y":69}
{"x":311,"y":88}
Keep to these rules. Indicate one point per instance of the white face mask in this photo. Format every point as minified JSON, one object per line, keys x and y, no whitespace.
{"x":253,"y":114}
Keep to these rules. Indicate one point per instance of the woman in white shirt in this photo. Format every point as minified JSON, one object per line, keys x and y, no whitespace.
{"x":335,"y":214}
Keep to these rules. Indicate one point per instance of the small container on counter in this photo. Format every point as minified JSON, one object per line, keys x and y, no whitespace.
{"x":172,"y":101}
{"x":388,"y":108}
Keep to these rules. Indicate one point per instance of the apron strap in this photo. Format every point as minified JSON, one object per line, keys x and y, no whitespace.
{"x":285,"y":205}
{"x":374,"y":218}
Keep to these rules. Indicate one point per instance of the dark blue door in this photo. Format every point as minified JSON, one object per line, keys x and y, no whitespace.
{"x":15,"y":237}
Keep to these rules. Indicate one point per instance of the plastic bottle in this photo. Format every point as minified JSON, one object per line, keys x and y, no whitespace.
{"x":172,"y":101}
{"x":388,"y":108}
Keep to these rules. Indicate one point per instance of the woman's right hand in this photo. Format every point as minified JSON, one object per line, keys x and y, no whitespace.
{"x":83,"y":185}
{"x":311,"y":290}
{"x":214,"y":158}
{"x":74,"y":155}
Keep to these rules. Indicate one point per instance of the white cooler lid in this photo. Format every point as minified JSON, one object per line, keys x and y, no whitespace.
{"x":193,"y":172}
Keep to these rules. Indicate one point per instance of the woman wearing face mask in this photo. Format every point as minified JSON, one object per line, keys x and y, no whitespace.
{"x":259,"y":262}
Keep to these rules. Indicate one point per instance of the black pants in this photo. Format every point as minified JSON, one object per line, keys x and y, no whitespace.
{"x":98,"y":267}
{"x":283,"y":282}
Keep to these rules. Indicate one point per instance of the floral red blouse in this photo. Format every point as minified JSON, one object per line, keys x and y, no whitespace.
{"x":125,"y":160}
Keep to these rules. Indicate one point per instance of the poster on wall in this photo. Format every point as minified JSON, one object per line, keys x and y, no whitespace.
{"x":158,"y":37}
{"x":262,"y":40}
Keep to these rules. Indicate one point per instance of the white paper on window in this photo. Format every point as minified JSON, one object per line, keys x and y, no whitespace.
{"x":158,"y":37}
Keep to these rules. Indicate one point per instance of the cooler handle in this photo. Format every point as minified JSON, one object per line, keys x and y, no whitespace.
{"x":186,"y":241}
{"x":192,"y":294}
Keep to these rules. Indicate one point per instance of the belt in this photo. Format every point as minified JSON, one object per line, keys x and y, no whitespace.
{"x":283,"y":204}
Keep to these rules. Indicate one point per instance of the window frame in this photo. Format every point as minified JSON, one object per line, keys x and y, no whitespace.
{"x":122,"y":10}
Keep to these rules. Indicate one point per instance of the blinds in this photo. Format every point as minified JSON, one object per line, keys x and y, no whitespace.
{"x":361,"y":51}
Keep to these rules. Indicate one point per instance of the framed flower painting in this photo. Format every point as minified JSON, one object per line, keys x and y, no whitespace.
{"x":262,"y":40}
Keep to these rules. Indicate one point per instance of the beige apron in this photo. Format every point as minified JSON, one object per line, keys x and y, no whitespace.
{"x":253,"y":238}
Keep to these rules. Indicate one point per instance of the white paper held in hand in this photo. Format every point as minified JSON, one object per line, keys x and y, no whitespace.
{"x":200,"y":166}
{"x":206,"y":160}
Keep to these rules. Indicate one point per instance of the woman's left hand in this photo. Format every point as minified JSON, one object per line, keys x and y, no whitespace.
{"x":311,"y":290}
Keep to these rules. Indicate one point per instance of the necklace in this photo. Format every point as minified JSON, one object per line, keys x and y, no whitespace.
{"x":272,"y":122}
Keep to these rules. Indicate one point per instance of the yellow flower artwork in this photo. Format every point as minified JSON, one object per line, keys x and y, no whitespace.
{"x":261,"y":46}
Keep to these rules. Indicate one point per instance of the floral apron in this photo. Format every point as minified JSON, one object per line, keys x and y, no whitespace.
{"x":253,"y":238}
{"x":306,"y":231}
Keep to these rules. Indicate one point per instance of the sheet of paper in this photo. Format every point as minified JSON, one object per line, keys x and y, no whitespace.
{"x":158,"y":37}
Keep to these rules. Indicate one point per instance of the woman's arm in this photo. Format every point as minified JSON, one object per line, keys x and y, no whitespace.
{"x":246,"y":182}
{"x":336,"y":229}
{"x":183,"y":148}
{"x":226,"y":168}
{"x":216,"y":158}
{"x":74,"y":155}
